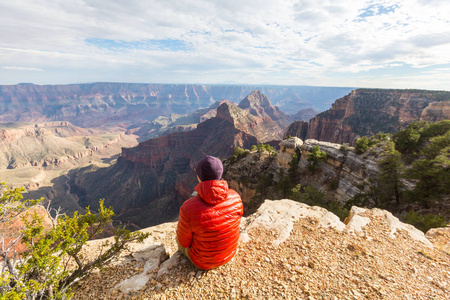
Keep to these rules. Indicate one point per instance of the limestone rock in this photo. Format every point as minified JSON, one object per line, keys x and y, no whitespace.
{"x":291,"y":143}
{"x":349,"y":168}
{"x":360,"y":217}
{"x":153,"y":256}
{"x":156,"y":252}
{"x":169,"y":264}
{"x":287,"y":148}
{"x":280,"y":216}
{"x":355,"y":221}
{"x":440,"y":237}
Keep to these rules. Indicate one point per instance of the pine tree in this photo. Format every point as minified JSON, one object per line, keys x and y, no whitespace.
{"x":315,"y":157}
{"x":389,"y":184}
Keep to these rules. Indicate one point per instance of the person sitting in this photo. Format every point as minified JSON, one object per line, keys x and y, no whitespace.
{"x":209,"y":223}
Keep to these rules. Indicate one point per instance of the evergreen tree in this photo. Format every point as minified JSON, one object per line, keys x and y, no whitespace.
{"x":293,"y":167}
{"x":433,"y":178}
{"x":389,"y":184}
{"x":362,"y":144}
{"x":315,"y":157}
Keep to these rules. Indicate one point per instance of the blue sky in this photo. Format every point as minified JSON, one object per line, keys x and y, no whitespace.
{"x":375,"y":43}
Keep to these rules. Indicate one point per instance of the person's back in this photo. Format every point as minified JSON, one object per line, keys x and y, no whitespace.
{"x":209,"y":223}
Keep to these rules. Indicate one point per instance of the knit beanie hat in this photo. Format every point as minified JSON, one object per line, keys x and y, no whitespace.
{"x":209,"y":168}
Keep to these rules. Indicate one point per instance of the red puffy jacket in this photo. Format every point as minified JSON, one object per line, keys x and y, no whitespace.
{"x":209,"y":224}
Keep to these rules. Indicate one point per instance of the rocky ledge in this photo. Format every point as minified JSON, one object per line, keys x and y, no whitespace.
{"x":288,"y":250}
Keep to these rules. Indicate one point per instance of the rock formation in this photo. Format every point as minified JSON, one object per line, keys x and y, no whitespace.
{"x":369,"y":111}
{"x":344,"y":168}
{"x":298,"y":129}
{"x":436,"y":111}
{"x":287,"y":250}
{"x":259,"y":105}
{"x":149,"y":182}
{"x":175,"y":122}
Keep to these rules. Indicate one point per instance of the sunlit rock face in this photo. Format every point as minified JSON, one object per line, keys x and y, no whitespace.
{"x":369,"y":111}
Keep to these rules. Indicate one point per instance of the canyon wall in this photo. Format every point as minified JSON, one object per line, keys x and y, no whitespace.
{"x":340,"y":175}
{"x":365,"y":112}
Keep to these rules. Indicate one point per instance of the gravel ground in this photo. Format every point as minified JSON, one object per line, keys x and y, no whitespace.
{"x":313,"y":263}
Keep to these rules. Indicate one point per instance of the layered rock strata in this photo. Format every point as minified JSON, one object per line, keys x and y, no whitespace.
{"x":347,"y":170}
{"x":365,"y":112}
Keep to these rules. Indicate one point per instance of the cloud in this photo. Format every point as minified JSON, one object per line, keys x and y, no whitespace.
{"x":247,"y":41}
{"x":21,"y":68}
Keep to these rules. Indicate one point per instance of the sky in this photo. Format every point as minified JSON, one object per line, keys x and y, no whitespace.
{"x":351,"y":43}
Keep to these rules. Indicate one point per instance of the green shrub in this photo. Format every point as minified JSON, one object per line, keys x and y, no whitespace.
{"x":43,"y":272}
{"x":315,"y":157}
{"x":424,"y":222}
{"x":362,"y":144}
{"x":238,"y":153}
{"x":344,"y":147}
{"x":333,"y":184}
{"x":313,"y":196}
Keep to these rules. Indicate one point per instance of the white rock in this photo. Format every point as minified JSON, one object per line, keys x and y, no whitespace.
{"x":169,"y":264}
{"x":355,"y":222}
{"x":280,"y":215}
{"x":151,"y":252}
{"x":394,"y":223}
{"x":440,"y":234}
{"x":291,"y":143}
{"x":153,"y":256}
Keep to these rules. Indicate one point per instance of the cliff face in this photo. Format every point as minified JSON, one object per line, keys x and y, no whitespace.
{"x":369,"y":111}
{"x":298,"y":129}
{"x":436,"y":111}
{"x":344,"y":168}
{"x":150,"y":182}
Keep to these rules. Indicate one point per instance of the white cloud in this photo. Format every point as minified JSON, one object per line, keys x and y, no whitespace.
{"x":247,"y":41}
{"x":21,"y":68}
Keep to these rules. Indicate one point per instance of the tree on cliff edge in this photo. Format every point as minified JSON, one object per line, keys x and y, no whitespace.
{"x":41,"y":271}
{"x":389,"y":184}
{"x":315,"y":157}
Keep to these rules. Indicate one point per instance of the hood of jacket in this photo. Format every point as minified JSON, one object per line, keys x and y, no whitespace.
{"x":213,"y":191}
